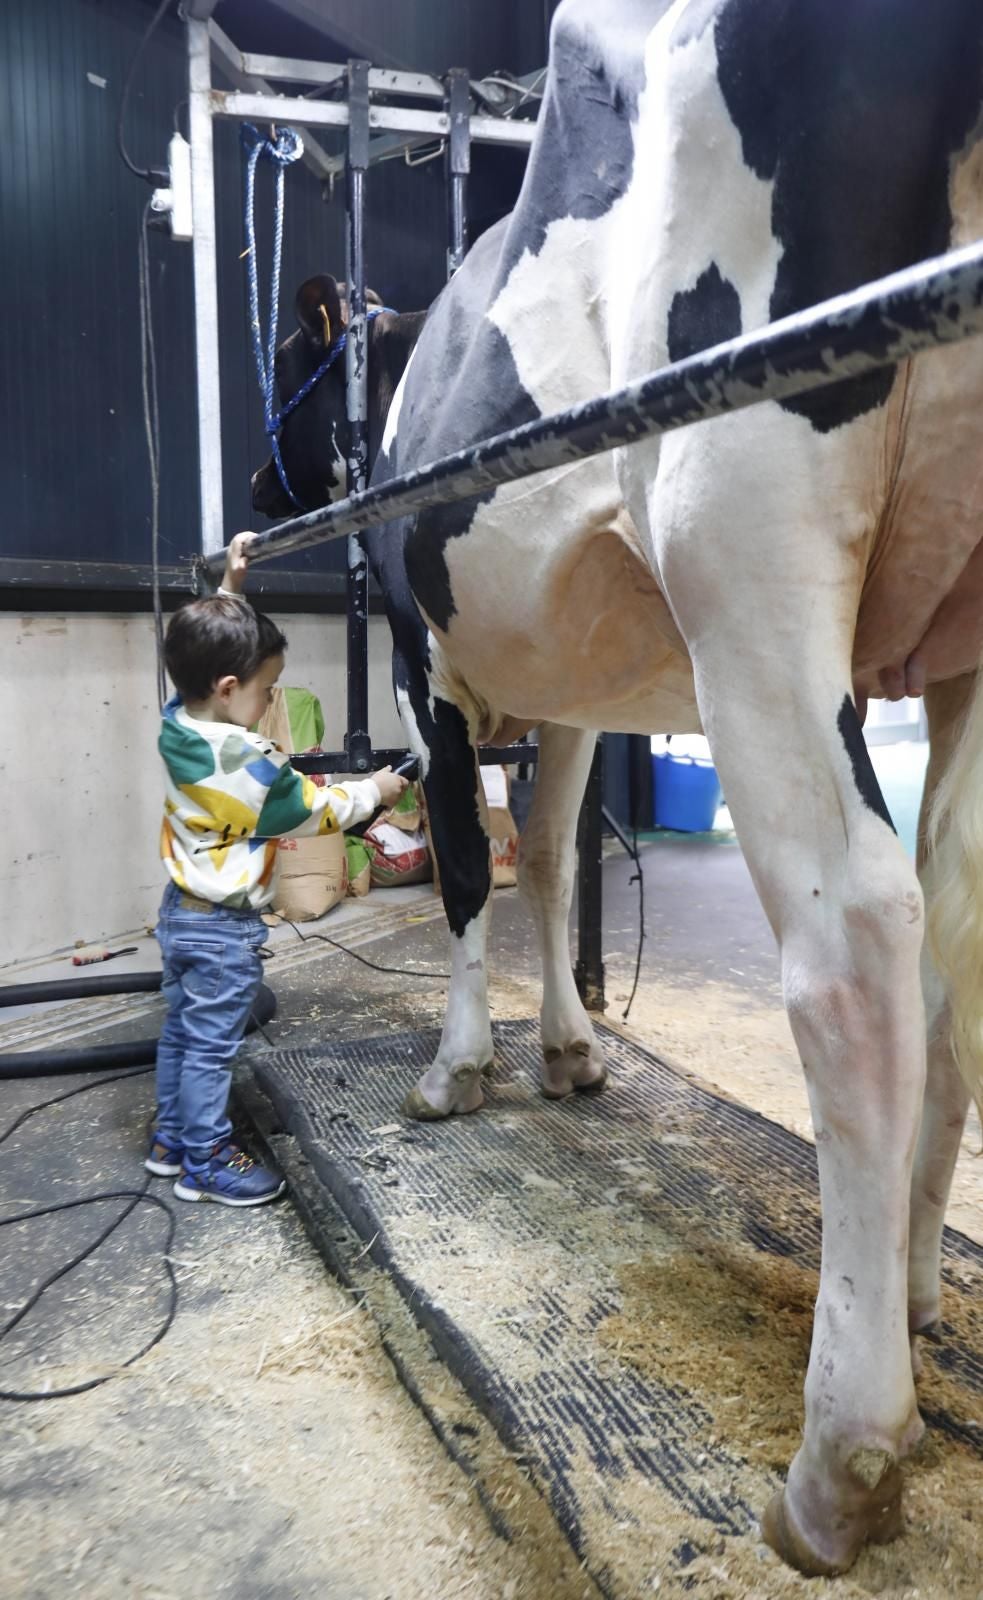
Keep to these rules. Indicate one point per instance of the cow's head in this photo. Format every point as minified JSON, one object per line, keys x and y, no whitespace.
{"x":314,"y":439}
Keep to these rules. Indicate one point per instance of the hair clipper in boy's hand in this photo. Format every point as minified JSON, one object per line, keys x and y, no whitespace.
{"x":390,"y":785}
{"x":386,"y":781}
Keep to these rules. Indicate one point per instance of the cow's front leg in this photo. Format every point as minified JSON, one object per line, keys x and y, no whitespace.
{"x":572,"y":1057}
{"x":458,"y":826}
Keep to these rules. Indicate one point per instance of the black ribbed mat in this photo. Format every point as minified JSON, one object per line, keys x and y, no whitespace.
{"x":510,"y":1234}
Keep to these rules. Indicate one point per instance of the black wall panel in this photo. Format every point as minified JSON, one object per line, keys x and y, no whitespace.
{"x":74,"y":481}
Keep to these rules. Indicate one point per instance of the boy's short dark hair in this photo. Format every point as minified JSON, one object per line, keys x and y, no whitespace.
{"x":217,"y":637}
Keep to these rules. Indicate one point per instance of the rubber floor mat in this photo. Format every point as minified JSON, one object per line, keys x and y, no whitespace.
{"x":623,"y":1282}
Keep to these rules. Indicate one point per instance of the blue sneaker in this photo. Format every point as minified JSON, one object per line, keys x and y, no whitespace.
{"x":230,"y":1177}
{"x":164,"y":1157}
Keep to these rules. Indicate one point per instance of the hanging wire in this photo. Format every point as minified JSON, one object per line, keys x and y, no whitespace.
{"x":524,"y":92}
{"x":147,"y":173}
{"x":638,"y":876}
{"x":533,"y":92}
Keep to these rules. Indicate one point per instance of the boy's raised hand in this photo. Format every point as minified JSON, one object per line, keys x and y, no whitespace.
{"x":390,"y":785}
{"x":237,"y":562}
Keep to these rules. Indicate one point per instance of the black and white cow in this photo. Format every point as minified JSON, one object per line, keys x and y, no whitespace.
{"x":702,"y":168}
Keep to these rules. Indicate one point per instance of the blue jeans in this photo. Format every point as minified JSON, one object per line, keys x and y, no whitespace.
{"x":212,"y":972}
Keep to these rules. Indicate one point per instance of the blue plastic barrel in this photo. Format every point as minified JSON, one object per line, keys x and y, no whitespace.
{"x":687,"y":793}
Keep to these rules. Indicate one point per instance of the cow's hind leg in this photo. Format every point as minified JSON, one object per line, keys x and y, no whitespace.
{"x":946,"y":1094}
{"x":442,"y":735}
{"x":571,"y":1055}
{"x":766,"y":598}
{"x":847,"y":909}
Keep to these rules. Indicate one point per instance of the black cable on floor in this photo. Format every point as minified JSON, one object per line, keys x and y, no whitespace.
{"x":398,"y":972}
{"x":135,"y":1197}
{"x":263,"y":1010}
{"x":56,"y":1098}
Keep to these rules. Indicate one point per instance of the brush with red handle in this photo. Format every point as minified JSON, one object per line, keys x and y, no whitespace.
{"x":102,"y":955}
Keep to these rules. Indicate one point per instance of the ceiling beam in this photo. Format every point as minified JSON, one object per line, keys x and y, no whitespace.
{"x":229,"y":61}
{"x":235,"y":66}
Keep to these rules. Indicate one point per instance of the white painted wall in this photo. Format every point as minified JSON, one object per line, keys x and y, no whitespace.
{"x":80,"y":774}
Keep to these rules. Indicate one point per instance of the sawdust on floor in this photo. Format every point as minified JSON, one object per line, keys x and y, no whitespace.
{"x":732,"y":1326}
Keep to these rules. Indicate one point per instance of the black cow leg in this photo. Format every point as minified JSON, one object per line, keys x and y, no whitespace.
{"x":456,"y":808}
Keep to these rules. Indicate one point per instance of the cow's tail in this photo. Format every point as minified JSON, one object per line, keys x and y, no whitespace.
{"x":954,"y":891}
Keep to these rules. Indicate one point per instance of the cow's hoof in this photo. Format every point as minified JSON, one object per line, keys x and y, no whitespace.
{"x":442,"y":1094}
{"x":875,"y":1517}
{"x":580,"y":1066}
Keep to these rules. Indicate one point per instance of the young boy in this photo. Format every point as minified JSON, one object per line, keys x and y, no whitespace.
{"x":230,"y":795}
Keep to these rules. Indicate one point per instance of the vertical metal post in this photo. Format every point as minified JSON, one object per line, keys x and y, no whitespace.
{"x":357,"y":741}
{"x":459,"y":165}
{"x":589,"y":970}
{"x":206,"y":288}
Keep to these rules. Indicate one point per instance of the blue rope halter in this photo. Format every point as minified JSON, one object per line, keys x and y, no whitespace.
{"x":286,"y":149}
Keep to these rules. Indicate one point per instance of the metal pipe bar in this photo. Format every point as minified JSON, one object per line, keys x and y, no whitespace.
{"x":206,"y":288}
{"x":338,"y":761}
{"x":457,"y":222}
{"x":283,"y":108}
{"x":501,"y":130}
{"x":229,"y":61}
{"x":381,"y":79}
{"x":937,"y":302}
{"x":384,"y":147}
{"x":292,"y":69}
{"x":459,"y":165}
{"x":334,"y":114}
{"x":357,"y":741}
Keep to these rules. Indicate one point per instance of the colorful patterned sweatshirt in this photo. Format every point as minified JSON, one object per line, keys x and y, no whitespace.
{"x":230,"y":795}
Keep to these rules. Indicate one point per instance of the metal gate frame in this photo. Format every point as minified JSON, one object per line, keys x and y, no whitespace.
{"x":456,"y":124}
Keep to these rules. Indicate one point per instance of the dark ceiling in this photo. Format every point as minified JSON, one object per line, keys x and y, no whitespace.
{"x":412,"y":35}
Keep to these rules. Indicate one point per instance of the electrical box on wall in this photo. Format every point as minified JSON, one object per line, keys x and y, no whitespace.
{"x":175,"y":201}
